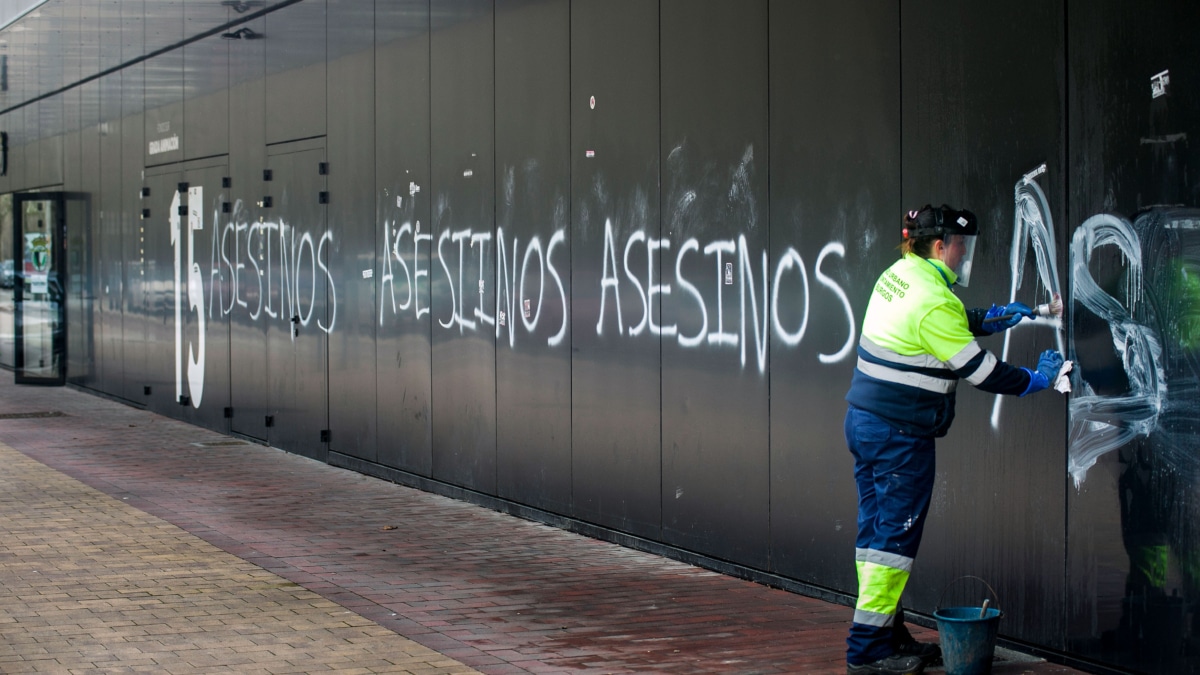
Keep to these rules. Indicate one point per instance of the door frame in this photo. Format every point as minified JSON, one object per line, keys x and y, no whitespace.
{"x":58,"y":338}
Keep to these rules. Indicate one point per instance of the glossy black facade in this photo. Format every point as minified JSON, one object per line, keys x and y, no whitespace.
{"x":607,"y":261}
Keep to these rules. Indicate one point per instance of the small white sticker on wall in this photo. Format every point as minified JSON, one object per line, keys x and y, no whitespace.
{"x":367,"y":274}
{"x":592,"y":102}
{"x":468,"y":173}
{"x":728,"y":274}
{"x":1159,"y":84}
{"x":590,"y":153}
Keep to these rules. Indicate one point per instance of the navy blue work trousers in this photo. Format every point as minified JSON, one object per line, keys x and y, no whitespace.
{"x":895,"y":476}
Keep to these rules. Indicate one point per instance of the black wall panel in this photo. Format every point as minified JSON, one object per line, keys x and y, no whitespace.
{"x":532,"y":249}
{"x":150,"y":304}
{"x":51,"y":130}
{"x":188,"y":366}
{"x":113,"y":258}
{"x":206,"y":282}
{"x":163,"y":21}
{"x":615,"y":394}
{"x":78,"y":167}
{"x":402,"y":188}
{"x":248,"y":250}
{"x":712,"y":255}
{"x":89,"y":184}
{"x":31,"y":168}
{"x":205,"y":131}
{"x":299,"y":284}
{"x":835,"y":196}
{"x":1135,"y":251}
{"x":165,"y":85}
{"x":294,"y":39}
{"x":352,"y":366}
{"x":462,"y":186}
{"x":958,"y":150}
{"x":18,"y":146}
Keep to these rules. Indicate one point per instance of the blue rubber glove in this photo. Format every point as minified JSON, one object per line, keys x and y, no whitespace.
{"x":1047,"y":369}
{"x":1016,"y":309}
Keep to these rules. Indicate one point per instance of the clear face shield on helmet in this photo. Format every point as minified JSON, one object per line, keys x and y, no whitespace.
{"x":960,"y":254}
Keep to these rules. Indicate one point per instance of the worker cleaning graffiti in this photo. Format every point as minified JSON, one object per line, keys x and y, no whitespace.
{"x":917,"y":341}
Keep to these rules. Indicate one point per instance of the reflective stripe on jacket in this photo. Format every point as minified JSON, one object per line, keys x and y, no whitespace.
{"x":916,"y":344}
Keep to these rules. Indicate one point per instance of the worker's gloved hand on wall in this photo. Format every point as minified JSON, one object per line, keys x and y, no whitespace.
{"x":1047,"y":370}
{"x":1016,"y":309}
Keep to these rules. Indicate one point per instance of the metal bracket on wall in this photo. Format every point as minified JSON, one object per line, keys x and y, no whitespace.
{"x":322,"y":197}
{"x":146,"y":391}
{"x":226,"y":181}
{"x":266,"y":174}
{"x":296,"y":325}
{"x":270,"y":421}
{"x":266,"y":202}
{"x":182,"y":210}
{"x":323,"y":168}
{"x":226,"y":207}
{"x":185,"y":400}
{"x":325,"y":435}
{"x":229,"y":413}
{"x":183,"y":187}
{"x":145,"y":214}
{"x":145,"y":192}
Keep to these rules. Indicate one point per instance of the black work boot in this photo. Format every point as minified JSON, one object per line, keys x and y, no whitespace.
{"x":896,"y":664}
{"x":929,"y":653}
{"x":904,"y":643}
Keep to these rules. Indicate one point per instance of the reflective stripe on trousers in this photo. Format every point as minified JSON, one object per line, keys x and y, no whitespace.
{"x":895,"y":477}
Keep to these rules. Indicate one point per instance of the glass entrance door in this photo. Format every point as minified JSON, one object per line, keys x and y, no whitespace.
{"x":38,"y":293}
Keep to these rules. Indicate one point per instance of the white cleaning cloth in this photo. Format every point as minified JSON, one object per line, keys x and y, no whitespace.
{"x":1062,"y":383}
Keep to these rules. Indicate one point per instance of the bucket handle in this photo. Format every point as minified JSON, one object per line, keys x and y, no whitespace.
{"x":969,"y":576}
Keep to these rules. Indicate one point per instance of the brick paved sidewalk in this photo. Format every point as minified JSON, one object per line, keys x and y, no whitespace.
{"x":91,"y":583}
{"x":321,"y":558}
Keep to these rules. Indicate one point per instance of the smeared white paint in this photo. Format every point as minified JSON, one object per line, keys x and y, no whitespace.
{"x":1100,"y":424}
{"x":1033,"y":227}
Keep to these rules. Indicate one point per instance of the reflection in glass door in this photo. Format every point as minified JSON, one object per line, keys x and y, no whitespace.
{"x":38,"y":234}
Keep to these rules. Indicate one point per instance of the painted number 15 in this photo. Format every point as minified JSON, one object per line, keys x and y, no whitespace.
{"x":195,"y":295}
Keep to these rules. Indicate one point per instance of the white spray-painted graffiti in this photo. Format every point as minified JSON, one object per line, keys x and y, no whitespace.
{"x":195,"y":295}
{"x":270,"y":270}
{"x":752,"y":325}
{"x":273,"y":254}
{"x":404,"y":281}
{"x":1099,"y":423}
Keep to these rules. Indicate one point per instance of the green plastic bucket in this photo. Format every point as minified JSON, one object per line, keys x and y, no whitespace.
{"x":968,"y":635}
